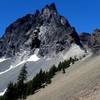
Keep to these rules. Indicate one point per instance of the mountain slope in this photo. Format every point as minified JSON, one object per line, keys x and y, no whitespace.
{"x":81,"y":82}
{"x":39,"y":40}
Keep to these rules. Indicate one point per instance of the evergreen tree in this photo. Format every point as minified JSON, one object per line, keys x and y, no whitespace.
{"x":59,"y":66}
{"x":11,"y":93}
{"x":36,"y":82}
{"x":66,"y":64}
{"x":23,"y":74}
{"x":52,"y":71}
{"x":63,"y":68}
{"x":29,"y":88}
{"x":70,"y":59}
{"x":48,"y":78}
{"x":20,"y":84}
{"x":1,"y":98}
{"x":41,"y":76}
{"x":73,"y":61}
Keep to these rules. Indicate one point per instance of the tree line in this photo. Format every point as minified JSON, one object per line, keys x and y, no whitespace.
{"x":21,"y":89}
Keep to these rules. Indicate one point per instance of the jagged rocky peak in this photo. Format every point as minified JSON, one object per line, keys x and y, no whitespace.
{"x":51,"y":8}
{"x":46,"y":30}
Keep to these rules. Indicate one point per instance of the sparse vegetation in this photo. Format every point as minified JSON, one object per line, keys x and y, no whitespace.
{"x":21,"y":89}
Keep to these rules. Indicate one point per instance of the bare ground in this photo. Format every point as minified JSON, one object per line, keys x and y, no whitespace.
{"x":81,"y":82}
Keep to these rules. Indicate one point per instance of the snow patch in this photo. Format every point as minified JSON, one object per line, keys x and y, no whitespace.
{"x":2,"y":59}
{"x":34,"y":57}
{"x":2,"y":93}
{"x":22,"y":62}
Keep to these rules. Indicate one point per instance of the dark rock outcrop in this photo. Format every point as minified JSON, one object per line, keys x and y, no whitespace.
{"x":96,"y":37}
{"x":96,"y":41}
{"x":86,"y":39}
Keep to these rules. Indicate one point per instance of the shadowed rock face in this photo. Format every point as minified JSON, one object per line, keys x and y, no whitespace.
{"x":46,"y":30}
{"x":96,"y":37}
{"x":96,"y":41}
{"x":86,"y":39}
{"x":91,"y":41}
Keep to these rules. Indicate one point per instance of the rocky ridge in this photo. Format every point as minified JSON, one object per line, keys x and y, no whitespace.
{"x":46,"y":30}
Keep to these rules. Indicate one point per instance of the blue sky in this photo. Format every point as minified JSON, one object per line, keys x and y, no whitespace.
{"x":84,"y":15}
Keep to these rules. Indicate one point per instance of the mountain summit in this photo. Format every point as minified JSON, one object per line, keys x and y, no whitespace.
{"x":46,"y":30}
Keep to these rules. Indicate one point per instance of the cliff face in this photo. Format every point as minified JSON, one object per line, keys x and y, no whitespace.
{"x":96,"y":41}
{"x":46,"y":30}
{"x":91,"y":41}
{"x":86,"y":39}
{"x":96,"y":37}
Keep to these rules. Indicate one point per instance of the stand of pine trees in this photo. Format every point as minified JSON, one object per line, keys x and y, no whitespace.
{"x":22,"y":89}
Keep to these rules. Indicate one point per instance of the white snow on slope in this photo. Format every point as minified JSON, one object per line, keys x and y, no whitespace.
{"x":11,"y":67}
{"x":2,"y":93}
{"x":33,"y":58}
{"x":6,"y":70}
{"x":2,"y":59}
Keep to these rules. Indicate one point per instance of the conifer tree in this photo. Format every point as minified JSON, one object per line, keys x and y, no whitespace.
{"x":52,"y":71}
{"x":1,"y":98}
{"x":59,"y":66}
{"x":11,"y":93}
{"x":20,"y":84}
{"x":63,"y":68}
{"x":48,"y":78}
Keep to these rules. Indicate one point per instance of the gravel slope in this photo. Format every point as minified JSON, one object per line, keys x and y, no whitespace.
{"x":81,"y":82}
